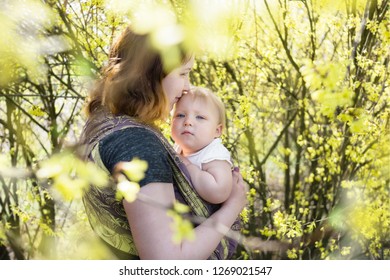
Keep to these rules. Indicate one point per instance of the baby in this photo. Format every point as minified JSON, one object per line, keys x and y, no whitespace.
{"x":198,"y":120}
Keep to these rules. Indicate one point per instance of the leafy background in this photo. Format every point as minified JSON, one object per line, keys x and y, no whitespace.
{"x":306,"y":88}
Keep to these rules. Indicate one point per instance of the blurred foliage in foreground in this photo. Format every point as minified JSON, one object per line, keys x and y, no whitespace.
{"x":307,"y":92}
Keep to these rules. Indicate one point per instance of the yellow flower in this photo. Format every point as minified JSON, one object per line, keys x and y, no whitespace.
{"x":127,"y":190}
{"x":135,"y":169}
{"x":182,"y":228}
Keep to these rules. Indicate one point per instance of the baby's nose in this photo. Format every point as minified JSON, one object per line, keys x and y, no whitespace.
{"x":187,"y":122}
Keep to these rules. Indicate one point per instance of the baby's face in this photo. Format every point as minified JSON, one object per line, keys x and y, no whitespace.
{"x":195,"y":124}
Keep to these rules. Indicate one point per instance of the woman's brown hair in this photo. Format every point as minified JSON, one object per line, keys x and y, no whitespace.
{"x":131,"y":82}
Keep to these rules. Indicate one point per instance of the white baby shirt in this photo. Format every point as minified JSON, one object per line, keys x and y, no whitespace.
{"x":213,"y":151}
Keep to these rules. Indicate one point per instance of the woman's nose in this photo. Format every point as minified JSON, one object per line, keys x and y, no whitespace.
{"x":186,"y":88}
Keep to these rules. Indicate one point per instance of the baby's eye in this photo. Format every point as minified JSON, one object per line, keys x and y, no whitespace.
{"x":200,"y":117}
{"x":180,"y":115}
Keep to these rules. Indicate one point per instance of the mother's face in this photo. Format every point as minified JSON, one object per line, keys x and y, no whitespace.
{"x":177,"y":81}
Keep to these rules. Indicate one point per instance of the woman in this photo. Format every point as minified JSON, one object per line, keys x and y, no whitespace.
{"x":134,"y":92}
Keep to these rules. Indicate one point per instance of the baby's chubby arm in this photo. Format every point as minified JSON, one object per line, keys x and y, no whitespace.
{"x":214,"y":182}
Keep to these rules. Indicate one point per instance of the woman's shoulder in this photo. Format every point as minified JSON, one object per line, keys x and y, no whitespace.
{"x":128,"y":143}
{"x":138,"y":140}
{"x":130,"y":134}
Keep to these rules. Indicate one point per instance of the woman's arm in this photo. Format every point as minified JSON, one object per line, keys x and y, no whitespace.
{"x":213,"y":182}
{"x":152,"y":232}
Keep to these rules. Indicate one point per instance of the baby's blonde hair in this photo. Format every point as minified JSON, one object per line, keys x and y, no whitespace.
{"x":209,"y":96}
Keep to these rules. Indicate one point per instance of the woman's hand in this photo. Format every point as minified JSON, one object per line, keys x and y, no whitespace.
{"x":238,"y":195}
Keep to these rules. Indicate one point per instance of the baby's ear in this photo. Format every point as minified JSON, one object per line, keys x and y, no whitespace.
{"x":218,"y":131}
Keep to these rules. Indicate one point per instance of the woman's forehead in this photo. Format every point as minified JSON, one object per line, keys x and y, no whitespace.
{"x":188,"y":64}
